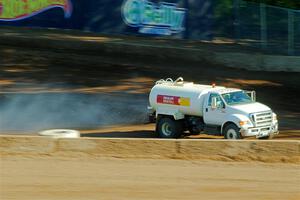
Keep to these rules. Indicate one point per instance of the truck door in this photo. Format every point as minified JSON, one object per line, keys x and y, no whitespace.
{"x":214,"y":116}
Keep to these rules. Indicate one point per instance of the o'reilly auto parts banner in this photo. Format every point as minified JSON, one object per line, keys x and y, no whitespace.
{"x":151,"y":18}
{"x":170,"y":18}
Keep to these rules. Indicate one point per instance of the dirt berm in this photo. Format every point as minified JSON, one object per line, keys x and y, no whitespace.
{"x":247,"y":150}
{"x":216,"y":53}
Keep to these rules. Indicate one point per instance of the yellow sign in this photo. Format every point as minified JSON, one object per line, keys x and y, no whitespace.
{"x":185,"y":101}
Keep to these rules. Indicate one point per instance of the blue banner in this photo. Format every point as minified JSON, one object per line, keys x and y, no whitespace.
{"x":170,"y":18}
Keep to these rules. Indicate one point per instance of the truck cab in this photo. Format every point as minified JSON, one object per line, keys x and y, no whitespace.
{"x":239,"y":109}
{"x":178,"y":107}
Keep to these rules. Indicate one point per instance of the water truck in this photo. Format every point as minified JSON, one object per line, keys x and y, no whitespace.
{"x":179,"y":107}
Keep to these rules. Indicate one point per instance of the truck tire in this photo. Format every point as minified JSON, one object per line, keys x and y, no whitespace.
{"x":232,"y":132}
{"x":60,"y":133}
{"x":194,"y":131}
{"x":169,"y":128}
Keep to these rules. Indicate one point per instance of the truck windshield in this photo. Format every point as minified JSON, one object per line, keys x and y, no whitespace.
{"x":235,"y":98}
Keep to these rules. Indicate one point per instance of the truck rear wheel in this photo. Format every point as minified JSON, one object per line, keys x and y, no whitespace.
{"x":169,"y":128}
{"x":232,"y":132}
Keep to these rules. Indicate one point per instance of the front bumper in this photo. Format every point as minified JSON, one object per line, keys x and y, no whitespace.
{"x":261,"y":131}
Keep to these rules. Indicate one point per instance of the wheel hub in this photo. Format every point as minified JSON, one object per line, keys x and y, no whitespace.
{"x":231,"y":133}
{"x":166,"y":129}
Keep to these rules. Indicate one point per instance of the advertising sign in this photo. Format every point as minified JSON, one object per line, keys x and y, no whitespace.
{"x":151,"y":18}
{"x":187,"y":19}
{"x":14,"y":10}
{"x":173,"y":100}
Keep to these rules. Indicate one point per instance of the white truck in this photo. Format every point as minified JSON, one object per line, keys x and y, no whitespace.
{"x":179,"y":106}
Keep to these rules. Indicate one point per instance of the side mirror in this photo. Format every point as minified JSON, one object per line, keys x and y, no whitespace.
{"x":253,"y":96}
{"x":214,"y":103}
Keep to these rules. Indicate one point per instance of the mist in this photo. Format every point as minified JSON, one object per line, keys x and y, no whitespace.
{"x":35,"y":112}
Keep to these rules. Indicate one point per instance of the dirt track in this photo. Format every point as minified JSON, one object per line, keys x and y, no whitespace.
{"x":36,"y":71}
{"x":147,"y":131}
{"x":47,"y":178}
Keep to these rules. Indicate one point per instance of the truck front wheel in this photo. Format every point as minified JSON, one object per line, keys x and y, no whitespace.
{"x":169,"y":128}
{"x":232,"y":132}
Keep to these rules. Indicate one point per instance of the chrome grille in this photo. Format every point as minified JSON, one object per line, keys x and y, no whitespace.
{"x":263,"y":119}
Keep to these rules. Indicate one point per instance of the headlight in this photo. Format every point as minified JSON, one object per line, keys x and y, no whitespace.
{"x":243,"y":123}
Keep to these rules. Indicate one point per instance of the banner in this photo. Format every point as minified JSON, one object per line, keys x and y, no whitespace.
{"x":169,"y":18}
{"x":151,"y":18}
{"x":14,"y":10}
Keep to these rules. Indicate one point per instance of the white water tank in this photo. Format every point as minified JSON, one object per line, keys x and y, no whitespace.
{"x":187,"y":98}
